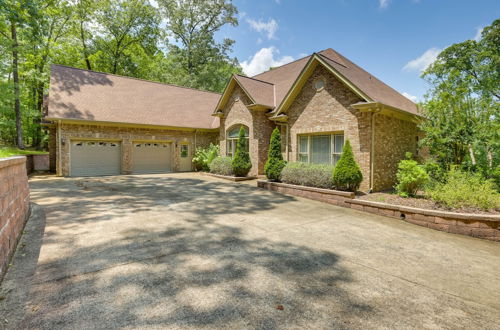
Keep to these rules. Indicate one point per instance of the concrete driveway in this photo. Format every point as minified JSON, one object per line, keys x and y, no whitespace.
{"x":190,"y":251}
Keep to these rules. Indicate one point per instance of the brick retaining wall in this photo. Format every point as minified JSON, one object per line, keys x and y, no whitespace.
{"x":476,"y":225}
{"x":14,"y":206}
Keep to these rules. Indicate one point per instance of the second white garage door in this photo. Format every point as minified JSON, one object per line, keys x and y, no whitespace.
{"x":151,"y":157}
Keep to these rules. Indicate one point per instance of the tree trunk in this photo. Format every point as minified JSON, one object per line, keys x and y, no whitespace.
{"x":15,"y":74}
{"x":85,"y":51}
{"x":472,"y":156}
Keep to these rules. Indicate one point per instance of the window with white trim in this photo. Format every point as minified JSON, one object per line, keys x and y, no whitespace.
{"x":320,"y":149}
{"x":232,"y":139}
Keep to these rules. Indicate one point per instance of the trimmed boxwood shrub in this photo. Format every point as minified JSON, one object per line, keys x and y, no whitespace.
{"x":222,"y":166}
{"x":275,"y":163}
{"x":347,"y":174}
{"x":311,"y":175}
{"x":241,"y":160}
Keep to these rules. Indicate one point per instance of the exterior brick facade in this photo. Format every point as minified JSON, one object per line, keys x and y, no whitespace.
{"x":260,"y":128}
{"x":127,"y":135}
{"x":326,"y":111}
{"x":14,"y":206}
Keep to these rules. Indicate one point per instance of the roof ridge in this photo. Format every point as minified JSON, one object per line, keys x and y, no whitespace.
{"x":283,"y":65}
{"x":372,"y":76}
{"x":331,"y":59}
{"x":134,"y":78}
{"x":267,"y":82}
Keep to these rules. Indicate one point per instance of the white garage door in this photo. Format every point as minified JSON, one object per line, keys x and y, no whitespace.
{"x":151,"y":157}
{"x":94,"y":158}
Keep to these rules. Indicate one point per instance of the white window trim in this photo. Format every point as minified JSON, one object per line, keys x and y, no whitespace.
{"x":234,"y":141}
{"x":333,"y":151}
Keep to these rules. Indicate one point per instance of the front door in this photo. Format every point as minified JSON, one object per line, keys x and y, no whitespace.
{"x":185,"y":159}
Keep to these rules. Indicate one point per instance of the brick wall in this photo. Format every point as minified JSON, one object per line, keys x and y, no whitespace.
{"x":127,"y":135}
{"x":259,"y":126}
{"x":328,"y":111}
{"x":393,"y":138}
{"x":14,"y":206}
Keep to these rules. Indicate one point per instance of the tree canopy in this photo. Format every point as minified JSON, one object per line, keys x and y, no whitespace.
{"x":462,"y":105}
{"x":174,"y":42}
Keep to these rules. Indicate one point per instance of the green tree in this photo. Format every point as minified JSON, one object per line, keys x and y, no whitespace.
{"x":241,"y":161}
{"x":195,"y":58}
{"x":275,"y":163}
{"x":462,"y":107}
{"x":347,"y":174}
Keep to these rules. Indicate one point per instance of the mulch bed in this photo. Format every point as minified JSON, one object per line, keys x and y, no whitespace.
{"x":419,"y":202}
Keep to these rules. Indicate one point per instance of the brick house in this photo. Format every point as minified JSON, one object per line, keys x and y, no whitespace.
{"x":318,"y":102}
{"x":104,"y":124}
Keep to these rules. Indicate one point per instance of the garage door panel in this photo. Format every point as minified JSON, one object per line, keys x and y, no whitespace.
{"x":95,"y":158}
{"x":151,"y":158}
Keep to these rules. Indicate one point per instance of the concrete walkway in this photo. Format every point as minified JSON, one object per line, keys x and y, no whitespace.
{"x":188,"y":251}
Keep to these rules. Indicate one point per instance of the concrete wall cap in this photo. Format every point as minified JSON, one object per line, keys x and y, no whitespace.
{"x":10,"y":161}
{"x":435,"y":213}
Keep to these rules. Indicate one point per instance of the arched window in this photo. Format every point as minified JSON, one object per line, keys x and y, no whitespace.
{"x":232,"y":139}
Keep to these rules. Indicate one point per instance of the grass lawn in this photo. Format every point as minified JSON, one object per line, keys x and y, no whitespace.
{"x":11,"y":151}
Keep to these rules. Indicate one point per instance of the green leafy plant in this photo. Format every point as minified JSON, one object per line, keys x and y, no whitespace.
{"x":347,"y":174}
{"x":222,"y":166}
{"x":411,"y":177}
{"x":275,"y":163}
{"x":241,"y":162}
{"x":466,"y":189}
{"x":204,"y":156}
{"x":311,"y":175}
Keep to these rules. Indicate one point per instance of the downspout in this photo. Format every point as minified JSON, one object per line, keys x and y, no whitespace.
{"x":372,"y":152}
{"x":286,"y":144}
{"x":195,"y":140}
{"x":59,"y":146}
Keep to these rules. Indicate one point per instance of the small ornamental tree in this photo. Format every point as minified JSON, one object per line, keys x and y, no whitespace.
{"x":347,"y":174}
{"x":275,"y":163}
{"x":241,"y":160}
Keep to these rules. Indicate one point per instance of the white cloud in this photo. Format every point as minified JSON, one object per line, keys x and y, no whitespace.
{"x":409,"y":96}
{"x":479,"y":30}
{"x":383,"y":3}
{"x":423,"y":61}
{"x":270,"y":27}
{"x":263,"y":60}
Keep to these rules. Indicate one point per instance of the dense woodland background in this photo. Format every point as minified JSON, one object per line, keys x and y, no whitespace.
{"x":173,"y":41}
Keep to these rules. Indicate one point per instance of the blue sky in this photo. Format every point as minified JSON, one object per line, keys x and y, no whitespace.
{"x":392,"y":39}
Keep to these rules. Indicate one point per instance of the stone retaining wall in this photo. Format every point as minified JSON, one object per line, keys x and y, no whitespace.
{"x":14,"y":206}
{"x":334,"y":197}
{"x":476,"y":225}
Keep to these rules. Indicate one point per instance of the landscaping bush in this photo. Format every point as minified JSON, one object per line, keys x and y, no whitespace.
{"x":241,"y":161}
{"x":275,"y":163}
{"x":204,"y":156}
{"x":311,"y":175}
{"x":222,"y":166}
{"x":347,"y":174}
{"x":466,"y":189}
{"x":411,"y":177}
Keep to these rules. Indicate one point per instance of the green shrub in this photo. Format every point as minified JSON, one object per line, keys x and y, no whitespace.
{"x":311,"y":175}
{"x":435,"y":171}
{"x":222,"y":166}
{"x":275,"y":163}
{"x":204,"y":156}
{"x":411,"y":177}
{"x":466,"y":189}
{"x":347,"y":174}
{"x":241,"y":160}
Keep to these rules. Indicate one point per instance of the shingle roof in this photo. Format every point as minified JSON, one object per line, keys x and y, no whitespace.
{"x":88,"y":95}
{"x":284,"y":76}
{"x":262,"y":92}
{"x":367,"y":83}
